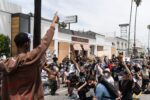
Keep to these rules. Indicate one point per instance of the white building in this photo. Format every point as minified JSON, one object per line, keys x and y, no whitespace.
{"x":121,"y":45}
{"x":93,"y":43}
{"x":6,"y":9}
{"x":139,"y":46}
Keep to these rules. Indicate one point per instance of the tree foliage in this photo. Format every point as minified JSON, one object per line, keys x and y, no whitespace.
{"x":138,"y":2}
{"x":4,"y":45}
{"x":62,"y":25}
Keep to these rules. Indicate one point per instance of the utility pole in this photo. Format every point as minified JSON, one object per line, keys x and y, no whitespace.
{"x":69,"y":26}
{"x":37,"y":23}
{"x":148,"y":39}
{"x":134,"y":44}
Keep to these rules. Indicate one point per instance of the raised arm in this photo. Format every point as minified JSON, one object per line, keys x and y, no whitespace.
{"x":36,"y":53}
{"x":73,"y":59}
{"x":30,"y":57}
{"x":82,"y":86}
{"x":47,"y":69}
{"x":120,"y":58}
{"x":98,"y":67}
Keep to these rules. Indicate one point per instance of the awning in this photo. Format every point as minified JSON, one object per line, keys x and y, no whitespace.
{"x":77,"y":46}
{"x":86,"y":47}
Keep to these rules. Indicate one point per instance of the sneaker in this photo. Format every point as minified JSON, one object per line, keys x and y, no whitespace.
{"x":73,"y":96}
{"x":147,"y":92}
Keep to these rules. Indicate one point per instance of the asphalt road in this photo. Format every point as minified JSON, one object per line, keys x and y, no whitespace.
{"x":63,"y":91}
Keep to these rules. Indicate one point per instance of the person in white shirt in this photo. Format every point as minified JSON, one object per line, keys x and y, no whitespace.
{"x":98,"y":69}
{"x":107,"y":76}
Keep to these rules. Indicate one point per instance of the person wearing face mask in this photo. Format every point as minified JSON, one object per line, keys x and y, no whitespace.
{"x":90,"y":88}
{"x":81,"y":77}
{"x":126,"y":86}
{"x":107,"y":76}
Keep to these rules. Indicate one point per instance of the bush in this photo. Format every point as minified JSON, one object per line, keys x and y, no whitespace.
{"x":4,"y":45}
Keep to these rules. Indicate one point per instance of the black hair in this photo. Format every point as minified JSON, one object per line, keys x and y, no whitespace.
{"x":100,"y":79}
{"x":91,"y":78}
{"x":21,"y":38}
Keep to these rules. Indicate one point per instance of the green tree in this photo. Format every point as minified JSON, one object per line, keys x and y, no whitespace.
{"x":4,"y":45}
{"x":62,"y":25}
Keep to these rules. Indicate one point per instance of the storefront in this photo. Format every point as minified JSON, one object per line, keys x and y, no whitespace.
{"x":66,"y":39}
{"x":81,"y":46}
{"x":84,"y":43}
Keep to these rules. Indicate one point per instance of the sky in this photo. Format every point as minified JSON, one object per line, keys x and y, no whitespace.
{"x":100,"y":16}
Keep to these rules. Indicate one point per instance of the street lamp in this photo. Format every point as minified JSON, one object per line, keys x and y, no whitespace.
{"x":148,"y":26}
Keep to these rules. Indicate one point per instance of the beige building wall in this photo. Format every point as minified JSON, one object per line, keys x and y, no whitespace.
{"x":15,"y":29}
{"x":63,"y":50}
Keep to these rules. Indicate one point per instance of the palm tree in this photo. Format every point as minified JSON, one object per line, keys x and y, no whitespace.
{"x":148,"y":27}
{"x":130,"y":27}
{"x":137,"y":2}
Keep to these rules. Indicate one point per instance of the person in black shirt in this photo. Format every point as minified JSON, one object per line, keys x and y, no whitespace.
{"x":81,"y":84}
{"x":55,"y":59}
{"x":126,"y":86}
{"x":90,"y":87}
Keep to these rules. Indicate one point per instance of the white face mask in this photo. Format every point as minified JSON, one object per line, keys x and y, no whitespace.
{"x":120,"y":77}
{"x":106,"y":74}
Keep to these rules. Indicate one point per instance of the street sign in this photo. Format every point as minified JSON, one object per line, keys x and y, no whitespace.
{"x":71,"y":19}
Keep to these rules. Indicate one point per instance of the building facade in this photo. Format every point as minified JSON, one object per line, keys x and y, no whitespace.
{"x":121,"y":45}
{"x":140,"y":47}
{"x":6,"y":10}
{"x":92,"y":43}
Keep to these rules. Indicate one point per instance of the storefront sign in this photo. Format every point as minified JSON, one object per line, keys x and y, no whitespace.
{"x":80,"y":40}
{"x":71,"y":19}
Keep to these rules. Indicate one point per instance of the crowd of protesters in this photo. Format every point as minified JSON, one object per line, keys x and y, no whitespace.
{"x":93,"y":78}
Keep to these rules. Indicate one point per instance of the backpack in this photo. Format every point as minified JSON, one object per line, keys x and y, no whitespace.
{"x":111,"y":89}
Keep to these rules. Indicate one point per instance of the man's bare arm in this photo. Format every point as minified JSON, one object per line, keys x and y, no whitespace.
{"x":73,"y":59}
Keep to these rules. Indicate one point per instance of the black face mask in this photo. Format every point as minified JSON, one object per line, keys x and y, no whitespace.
{"x":92,"y":86}
{"x":81,"y":74}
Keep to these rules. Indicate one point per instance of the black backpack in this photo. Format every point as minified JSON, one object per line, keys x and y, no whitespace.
{"x":111,"y":89}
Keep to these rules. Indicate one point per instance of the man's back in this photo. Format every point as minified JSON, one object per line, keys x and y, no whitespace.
{"x":21,"y":79}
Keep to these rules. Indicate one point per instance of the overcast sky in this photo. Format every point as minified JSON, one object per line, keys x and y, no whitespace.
{"x":101,"y":16}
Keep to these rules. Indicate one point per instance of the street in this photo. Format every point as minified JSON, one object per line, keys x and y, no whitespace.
{"x":61,"y":95}
{"x":74,"y":50}
{"x":62,"y":91}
